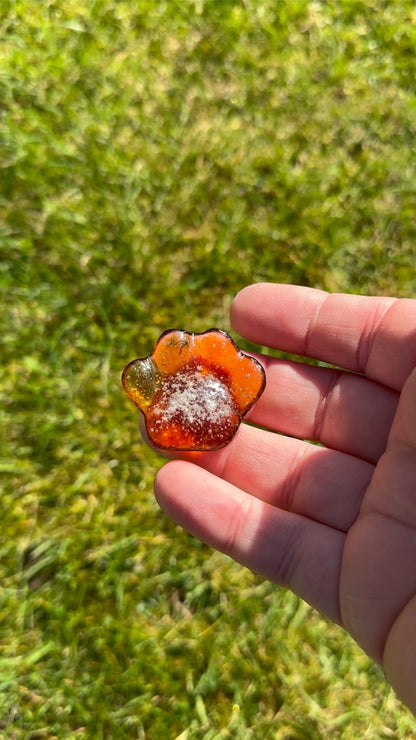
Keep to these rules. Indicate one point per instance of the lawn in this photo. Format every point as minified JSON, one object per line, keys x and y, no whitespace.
{"x":155,"y":157}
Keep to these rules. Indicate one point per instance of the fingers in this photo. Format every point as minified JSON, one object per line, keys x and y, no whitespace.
{"x":288,"y":473}
{"x":343,"y":411}
{"x":321,"y":484}
{"x":318,"y":483}
{"x":370,"y":335}
{"x":282,"y":546}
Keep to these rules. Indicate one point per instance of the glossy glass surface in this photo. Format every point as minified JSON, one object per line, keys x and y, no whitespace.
{"x":194,"y":389}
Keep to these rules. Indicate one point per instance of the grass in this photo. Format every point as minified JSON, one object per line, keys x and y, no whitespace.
{"x":155,"y":157}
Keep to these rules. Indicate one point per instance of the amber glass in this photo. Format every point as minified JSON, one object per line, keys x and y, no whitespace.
{"x":194,"y":389}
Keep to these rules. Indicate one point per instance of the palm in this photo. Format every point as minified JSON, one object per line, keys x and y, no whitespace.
{"x":335,"y":522}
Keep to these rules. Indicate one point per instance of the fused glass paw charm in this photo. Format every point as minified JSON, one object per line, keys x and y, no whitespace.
{"x":194,"y":389}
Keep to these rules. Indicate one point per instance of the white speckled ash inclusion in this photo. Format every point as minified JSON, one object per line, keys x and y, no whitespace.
{"x":197,"y":400}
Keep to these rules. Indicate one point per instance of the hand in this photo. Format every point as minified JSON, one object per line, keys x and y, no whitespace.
{"x":337,"y":522}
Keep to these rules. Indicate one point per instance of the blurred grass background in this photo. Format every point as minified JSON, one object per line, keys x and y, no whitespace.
{"x":155,"y":157}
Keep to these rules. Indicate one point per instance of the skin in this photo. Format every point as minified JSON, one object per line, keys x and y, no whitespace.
{"x":336,"y":523}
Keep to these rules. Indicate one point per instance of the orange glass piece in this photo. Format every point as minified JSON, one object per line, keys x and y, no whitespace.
{"x":194,"y":389}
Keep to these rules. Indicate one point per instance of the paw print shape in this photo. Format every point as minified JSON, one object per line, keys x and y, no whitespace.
{"x":194,"y":389}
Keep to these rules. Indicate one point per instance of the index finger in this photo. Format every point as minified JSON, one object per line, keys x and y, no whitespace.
{"x":375,"y":336}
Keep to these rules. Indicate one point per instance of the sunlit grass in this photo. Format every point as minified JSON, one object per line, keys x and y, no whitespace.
{"x":155,"y":157}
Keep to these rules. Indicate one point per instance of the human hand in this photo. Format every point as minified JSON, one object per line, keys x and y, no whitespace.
{"x":336,"y":523}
